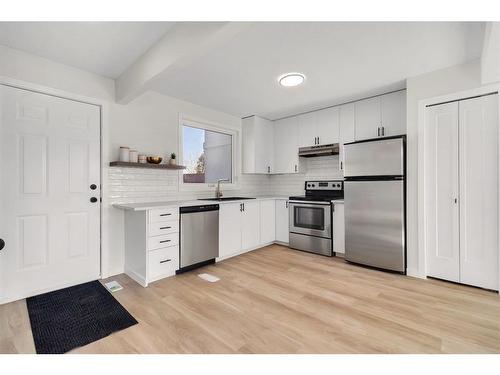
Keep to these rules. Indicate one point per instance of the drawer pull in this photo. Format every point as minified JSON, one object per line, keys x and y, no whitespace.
{"x":165,"y":214}
{"x":165,"y":261}
{"x":165,"y":227}
{"x":165,"y":241}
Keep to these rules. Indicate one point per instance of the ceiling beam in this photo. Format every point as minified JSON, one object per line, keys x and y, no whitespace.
{"x":184,"y":42}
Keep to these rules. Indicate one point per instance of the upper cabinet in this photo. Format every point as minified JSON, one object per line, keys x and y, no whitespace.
{"x":318,"y":127}
{"x":258,"y":135}
{"x":393,"y":113}
{"x":346,"y":129}
{"x":381,"y":116}
{"x":286,"y":156}
{"x":327,"y":125}
{"x":271,"y":147}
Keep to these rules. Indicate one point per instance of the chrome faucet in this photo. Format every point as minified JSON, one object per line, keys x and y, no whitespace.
{"x":218,"y":191}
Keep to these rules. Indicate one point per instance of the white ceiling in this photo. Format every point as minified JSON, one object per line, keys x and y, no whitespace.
{"x":342,"y":61}
{"x":104,"y":48}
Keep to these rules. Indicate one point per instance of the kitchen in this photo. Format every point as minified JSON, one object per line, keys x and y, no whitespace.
{"x":256,"y":198}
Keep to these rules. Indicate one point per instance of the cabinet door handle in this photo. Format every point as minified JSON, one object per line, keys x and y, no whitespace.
{"x":318,"y":140}
{"x":241,"y":207}
{"x":383,"y":130}
{"x":243,"y":204}
{"x":286,"y":204}
{"x":295,"y":167}
{"x":341,"y":166}
{"x":268,"y":169}
{"x":164,"y":241}
{"x":165,"y":214}
{"x":165,"y":261}
{"x":165,"y":227}
{"x":378,"y":131}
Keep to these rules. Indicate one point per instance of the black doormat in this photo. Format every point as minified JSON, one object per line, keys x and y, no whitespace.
{"x":74,"y":317}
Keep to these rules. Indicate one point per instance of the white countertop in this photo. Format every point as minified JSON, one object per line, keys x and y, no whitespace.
{"x":185,"y":203}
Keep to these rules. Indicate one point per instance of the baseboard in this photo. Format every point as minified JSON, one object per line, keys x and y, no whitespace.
{"x":413,"y":272}
{"x":137,"y":277}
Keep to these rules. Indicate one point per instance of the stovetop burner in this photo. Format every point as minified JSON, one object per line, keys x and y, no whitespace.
{"x":321,"y":191}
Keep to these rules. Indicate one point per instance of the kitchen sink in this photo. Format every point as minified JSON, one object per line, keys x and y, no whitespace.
{"x":225,"y":199}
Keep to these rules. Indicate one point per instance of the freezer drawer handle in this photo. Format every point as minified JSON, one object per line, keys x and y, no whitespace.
{"x":165,"y":261}
{"x":165,"y":241}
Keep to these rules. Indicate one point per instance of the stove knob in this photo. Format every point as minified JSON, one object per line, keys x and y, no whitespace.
{"x":308,"y":185}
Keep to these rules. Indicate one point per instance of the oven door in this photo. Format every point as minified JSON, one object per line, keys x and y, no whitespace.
{"x":310,"y":218}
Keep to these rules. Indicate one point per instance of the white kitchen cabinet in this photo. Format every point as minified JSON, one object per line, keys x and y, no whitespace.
{"x":257,"y":145}
{"x":393,"y":113}
{"x":338,"y":228}
{"x":267,"y":221}
{"x":151,"y":244}
{"x":306,"y":124}
{"x":461,"y":191}
{"x":282,"y":229}
{"x":230,"y":225}
{"x":346,"y":129}
{"x":318,"y":127}
{"x":381,"y":116}
{"x":250,"y":225}
{"x":367,"y":114}
{"x":327,"y":125}
{"x":286,"y":156}
{"x":239,"y":227}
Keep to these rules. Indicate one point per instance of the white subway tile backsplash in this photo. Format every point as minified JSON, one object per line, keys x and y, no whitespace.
{"x":127,"y":185}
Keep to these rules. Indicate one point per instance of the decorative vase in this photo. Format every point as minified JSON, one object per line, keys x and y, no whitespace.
{"x":172,"y":162}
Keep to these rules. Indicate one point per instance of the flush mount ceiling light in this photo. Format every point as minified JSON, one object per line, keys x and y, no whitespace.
{"x":291,"y":79}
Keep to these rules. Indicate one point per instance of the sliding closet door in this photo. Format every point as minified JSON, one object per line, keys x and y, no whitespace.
{"x":478,"y":124}
{"x":441,"y":192}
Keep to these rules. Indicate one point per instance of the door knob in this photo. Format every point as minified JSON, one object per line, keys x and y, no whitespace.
{"x":93,"y":187}
{"x":2,"y":244}
{"x":93,"y":199}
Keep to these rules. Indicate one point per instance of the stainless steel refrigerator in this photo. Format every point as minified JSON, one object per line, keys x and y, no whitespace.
{"x":375,"y":203}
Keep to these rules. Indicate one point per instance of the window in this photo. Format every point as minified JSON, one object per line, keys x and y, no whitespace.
{"x":206,"y":153}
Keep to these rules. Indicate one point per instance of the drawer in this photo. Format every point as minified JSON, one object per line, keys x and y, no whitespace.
{"x":165,"y":240}
{"x":163,"y":262}
{"x":163,"y":227}
{"x":163,"y":214}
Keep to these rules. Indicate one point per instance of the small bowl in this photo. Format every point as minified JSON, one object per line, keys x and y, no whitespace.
{"x":154,"y":159}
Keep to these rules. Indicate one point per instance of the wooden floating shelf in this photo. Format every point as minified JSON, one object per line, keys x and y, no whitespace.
{"x":126,"y":164}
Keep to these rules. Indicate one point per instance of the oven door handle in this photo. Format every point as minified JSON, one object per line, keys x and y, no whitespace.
{"x":309,"y":204}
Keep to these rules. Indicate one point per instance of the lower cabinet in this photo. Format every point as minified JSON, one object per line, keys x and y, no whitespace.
{"x":151,"y":244}
{"x":281,"y":222}
{"x":245,"y":226}
{"x":267,"y":221}
{"x":230,"y":224}
{"x":338,"y":228}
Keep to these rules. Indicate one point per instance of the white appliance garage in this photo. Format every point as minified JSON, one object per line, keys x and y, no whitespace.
{"x":50,"y":187}
{"x":461,"y":191}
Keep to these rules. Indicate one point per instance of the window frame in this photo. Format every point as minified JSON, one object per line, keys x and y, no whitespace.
{"x":211,"y":126}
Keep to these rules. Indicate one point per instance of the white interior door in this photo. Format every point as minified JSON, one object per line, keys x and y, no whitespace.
{"x":441,"y":191}
{"x":49,"y":157}
{"x":478,"y":124}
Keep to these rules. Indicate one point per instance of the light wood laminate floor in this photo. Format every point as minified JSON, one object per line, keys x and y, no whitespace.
{"x":277,"y":300}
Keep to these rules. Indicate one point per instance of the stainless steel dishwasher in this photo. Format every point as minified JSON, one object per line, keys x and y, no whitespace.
{"x":199,"y":236}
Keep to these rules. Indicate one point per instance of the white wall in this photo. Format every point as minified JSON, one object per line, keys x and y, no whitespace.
{"x":490,"y":59}
{"x":440,"y":82}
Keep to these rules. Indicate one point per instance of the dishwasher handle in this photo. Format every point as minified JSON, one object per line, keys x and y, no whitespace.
{"x":204,"y":208}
